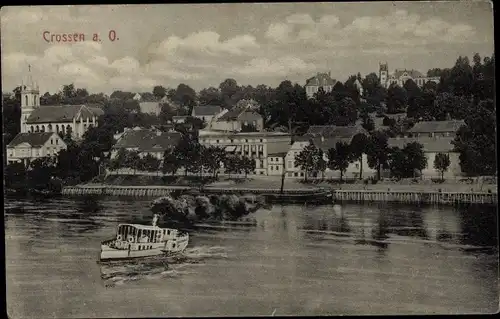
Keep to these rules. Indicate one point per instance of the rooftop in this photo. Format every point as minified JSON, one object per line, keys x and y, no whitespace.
{"x":33,"y":139}
{"x":148,"y":140}
{"x":321,"y":79}
{"x":413,"y":73}
{"x":436,"y":126}
{"x":207,"y":133}
{"x":63,"y":113}
{"x":206,"y":110}
{"x":334,"y":131}
{"x":430,"y":144}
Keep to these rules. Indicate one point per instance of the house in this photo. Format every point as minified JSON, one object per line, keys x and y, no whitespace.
{"x":150,"y":107}
{"x":432,"y":146}
{"x":137,"y":97}
{"x":206,"y":112}
{"x":237,"y":120}
{"x":435,"y":128}
{"x":153,"y":142}
{"x":26,"y":147}
{"x":257,"y":145}
{"x":321,"y":80}
{"x":400,"y":76}
{"x":325,"y":137}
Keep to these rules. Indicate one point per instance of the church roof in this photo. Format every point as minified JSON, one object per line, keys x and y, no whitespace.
{"x":33,"y":139}
{"x":63,"y":113}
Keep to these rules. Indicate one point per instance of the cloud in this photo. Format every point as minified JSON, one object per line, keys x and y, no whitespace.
{"x":207,"y":42}
{"x":396,"y":28}
{"x":283,"y":66}
{"x":278,"y":32}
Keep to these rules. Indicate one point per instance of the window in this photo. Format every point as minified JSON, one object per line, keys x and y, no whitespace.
{"x":431,"y":134}
{"x":272,"y":167}
{"x":51,"y":142}
{"x":246,"y":140}
{"x":26,"y":100}
{"x":357,"y":165}
{"x":271,"y":159}
{"x":290,"y":164}
{"x":260,"y":140}
{"x":216,"y":141}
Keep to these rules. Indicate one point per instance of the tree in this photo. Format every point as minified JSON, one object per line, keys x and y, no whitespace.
{"x":339,"y":158}
{"x":210,"y":96}
{"x":212,"y":158}
{"x":150,"y":163}
{"x":307,"y":159}
{"x":321,"y":163}
{"x":133,"y":160}
{"x":159,"y":92}
{"x":171,"y":162}
{"x":247,"y":165}
{"x":368,"y":124}
{"x":358,"y":146}
{"x":11,"y":112}
{"x":377,"y":151}
{"x":345,"y":112}
{"x":232,"y":164}
{"x":415,"y":157}
{"x":185,"y":96}
{"x":397,"y":99}
{"x":441,"y":163}
{"x":476,"y":141}
{"x":228,"y":89}
{"x":404,"y":162}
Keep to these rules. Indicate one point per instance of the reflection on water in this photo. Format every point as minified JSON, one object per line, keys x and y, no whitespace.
{"x":375,"y":259}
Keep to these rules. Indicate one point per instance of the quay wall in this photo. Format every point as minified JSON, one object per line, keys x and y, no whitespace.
{"x":409,"y":197}
{"x":361,"y":196}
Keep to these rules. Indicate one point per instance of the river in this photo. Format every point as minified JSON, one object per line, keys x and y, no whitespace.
{"x":297,"y":260}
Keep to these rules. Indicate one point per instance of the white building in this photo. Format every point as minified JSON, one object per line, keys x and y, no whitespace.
{"x":26,"y":147}
{"x":400,"y":76}
{"x":144,"y":141}
{"x":432,"y":146}
{"x":257,"y":145}
{"x":321,"y":80}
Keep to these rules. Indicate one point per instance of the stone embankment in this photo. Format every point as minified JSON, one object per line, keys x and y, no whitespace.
{"x":409,"y":197}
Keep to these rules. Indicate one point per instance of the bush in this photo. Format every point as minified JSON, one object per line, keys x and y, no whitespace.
{"x":437,"y":180}
{"x":374,"y":181}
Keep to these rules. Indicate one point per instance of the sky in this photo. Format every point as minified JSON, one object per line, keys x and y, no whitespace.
{"x":254,"y":43}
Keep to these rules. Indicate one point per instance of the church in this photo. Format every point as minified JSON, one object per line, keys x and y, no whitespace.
{"x":42,"y":125}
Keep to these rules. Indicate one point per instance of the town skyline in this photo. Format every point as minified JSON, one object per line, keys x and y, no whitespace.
{"x":251,"y":43}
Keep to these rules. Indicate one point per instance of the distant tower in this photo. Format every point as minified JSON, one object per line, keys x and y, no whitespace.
{"x":30,"y":99}
{"x":383,"y":73}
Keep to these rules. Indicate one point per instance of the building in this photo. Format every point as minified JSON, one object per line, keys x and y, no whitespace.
{"x":153,"y":142}
{"x":26,"y":147}
{"x":206,"y":112}
{"x":150,"y":107}
{"x":435,"y":128}
{"x":325,"y":137}
{"x":321,"y":80}
{"x":73,"y":119}
{"x":236,"y":120}
{"x":257,"y":145}
{"x":432,"y":146}
{"x":400,"y":76}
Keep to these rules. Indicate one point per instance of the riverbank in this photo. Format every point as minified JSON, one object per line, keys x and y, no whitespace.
{"x":383,"y":192}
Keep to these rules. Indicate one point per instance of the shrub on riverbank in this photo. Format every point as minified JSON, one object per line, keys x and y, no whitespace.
{"x":185,"y":210}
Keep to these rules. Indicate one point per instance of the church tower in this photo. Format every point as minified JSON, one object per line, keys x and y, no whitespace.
{"x":383,"y":74}
{"x":30,"y":99}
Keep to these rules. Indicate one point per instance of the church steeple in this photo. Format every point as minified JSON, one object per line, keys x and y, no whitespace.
{"x":30,"y":98}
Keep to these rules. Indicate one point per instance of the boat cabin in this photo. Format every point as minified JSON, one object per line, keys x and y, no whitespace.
{"x":143,"y":234}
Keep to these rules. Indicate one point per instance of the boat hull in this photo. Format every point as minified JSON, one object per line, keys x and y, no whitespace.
{"x":109,"y":253}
